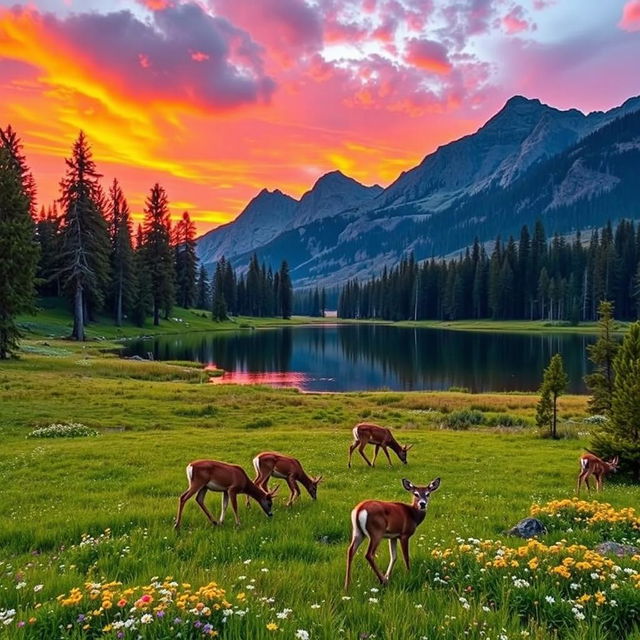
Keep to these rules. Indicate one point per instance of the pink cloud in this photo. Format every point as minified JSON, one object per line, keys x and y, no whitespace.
{"x":630,"y":20}
{"x":515,"y":22}
{"x":428,"y":55}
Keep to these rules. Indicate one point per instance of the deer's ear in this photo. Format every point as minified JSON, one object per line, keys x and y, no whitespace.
{"x":433,"y":485}
{"x":407,"y":484}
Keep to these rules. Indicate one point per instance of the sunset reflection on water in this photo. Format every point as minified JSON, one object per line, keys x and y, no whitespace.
{"x":270,"y":378}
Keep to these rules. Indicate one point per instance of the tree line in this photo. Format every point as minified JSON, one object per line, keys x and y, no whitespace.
{"x":534,"y":278}
{"x":84,"y":248}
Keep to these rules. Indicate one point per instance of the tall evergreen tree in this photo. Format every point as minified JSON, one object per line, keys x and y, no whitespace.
{"x":620,"y":435}
{"x":202,"y":289}
{"x":86,"y":247}
{"x":602,"y":353}
{"x":10,"y":141}
{"x":186,"y":261}
{"x":18,"y":250}
{"x":285,"y":293}
{"x":122,"y":258}
{"x":156,"y":248}
{"x":554,"y":383}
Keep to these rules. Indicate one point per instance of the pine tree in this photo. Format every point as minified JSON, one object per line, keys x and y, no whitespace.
{"x":186,"y":261}
{"x":554,"y":383}
{"x":9,"y":140}
{"x":85,"y":239}
{"x":18,"y":250}
{"x":620,"y":435}
{"x":157,"y":253}
{"x":49,"y":236}
{"x":202,"y":289}
{"x":122,"y":258}
{"x":602,"y":354}
{"x":285,"y":296}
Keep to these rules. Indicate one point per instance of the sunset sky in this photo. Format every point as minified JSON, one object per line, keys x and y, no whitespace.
{"x":216,"y":99}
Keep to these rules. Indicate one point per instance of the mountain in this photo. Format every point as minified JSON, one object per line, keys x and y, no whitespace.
{"x":528,"y":161}
{"x":331,"y":194}
{"x":262,"y":219}
{"x":272,"y":212}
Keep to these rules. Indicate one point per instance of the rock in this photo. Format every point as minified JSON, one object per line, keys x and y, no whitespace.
{"x":528,"y":528}
{"x":617,"y":549}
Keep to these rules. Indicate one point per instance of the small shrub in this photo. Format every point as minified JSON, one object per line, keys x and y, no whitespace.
{"x":506,"y":420}
{"x":463,"y":419}
{"x":459,"y":390}
{"x":384,"y":400}
{"x":259,"y":423}
{"x":71,"y":430}
{"x":597,"y":419}
{"x":198,"y":412}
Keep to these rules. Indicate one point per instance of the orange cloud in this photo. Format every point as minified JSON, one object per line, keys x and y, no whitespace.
{"x":630,"y":20}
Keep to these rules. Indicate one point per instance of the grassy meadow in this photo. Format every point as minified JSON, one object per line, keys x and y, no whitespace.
{"x":95,"y":514}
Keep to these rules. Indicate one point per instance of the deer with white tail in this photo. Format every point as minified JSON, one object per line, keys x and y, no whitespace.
{"x":592,"y":465}
{"x":366,"y":433}
{"x":230,"y":480}
{"x":278,"y":465}
{"x":376,"y":520}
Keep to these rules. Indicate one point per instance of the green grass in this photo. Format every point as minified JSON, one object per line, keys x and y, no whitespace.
{"x":154,"y":418}
{"x":54,"y":320}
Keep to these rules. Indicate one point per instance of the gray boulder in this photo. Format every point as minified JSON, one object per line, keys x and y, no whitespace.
{"x":617,"y":549}
{"x":528,"y":528}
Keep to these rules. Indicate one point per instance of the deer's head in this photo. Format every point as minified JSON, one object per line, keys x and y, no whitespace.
{"x":402,"y":453}
{"x":313,"y":487}
{"x":613,"y":464}
{"x":421,"y":494}
{"x":266,"y":502}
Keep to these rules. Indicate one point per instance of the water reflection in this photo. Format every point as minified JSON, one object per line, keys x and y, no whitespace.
{"x":361,"y":357}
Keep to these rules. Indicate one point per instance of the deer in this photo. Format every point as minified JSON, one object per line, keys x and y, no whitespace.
{"x":375,"y":519}
{"x":592,"y":465}
{"x":230,"y":479}
{"x":365,"y":433}
{"x":271,"y":463}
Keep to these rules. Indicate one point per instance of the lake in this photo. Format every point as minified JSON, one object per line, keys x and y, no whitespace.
{"x":371,"y":357}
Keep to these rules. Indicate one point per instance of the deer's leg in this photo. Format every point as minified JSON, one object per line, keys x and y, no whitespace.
{"x":587,"y":477}
{"x":356,"y":541}
{"x":386,"y":453}
{"x":374,"y":542}
{"x":200,"y":500}
{"x":293,"y":490}
{"x":181,"y":502}
{"x":375,"y":455}
{"x":225,"y":504}
{"x":598,"y":483}
{"x":352,"y":448}
{"x":579,"y":483}
{"x":361,"y":452}
{"x":404,"y":545}
{"x":393,"y":554}
{"x":233,"y":496}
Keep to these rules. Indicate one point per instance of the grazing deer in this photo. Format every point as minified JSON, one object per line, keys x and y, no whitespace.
{"x":591,"y":465}
{"x":365,"y":433}
{"x":270,"y":463}
{"x":376,"y":520}
{"x":230,"y":479}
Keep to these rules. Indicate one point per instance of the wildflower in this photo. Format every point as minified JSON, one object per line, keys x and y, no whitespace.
{"x":21,"y":585}
{"x":122,"y":602}
{"x":301,"y":634}
{"x":315,"y":605}
{"x":147,"y":618}
{"x":272,"y":626}
{"x":550,"y":599}
{"x":38,"y":587}
{"x":373,"y":600}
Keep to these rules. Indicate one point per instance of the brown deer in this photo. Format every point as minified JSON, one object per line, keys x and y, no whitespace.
{"x":365,"y":433}
{"x":395,"y":521}
{"x":591,"y":465}
{"x":230,"y":479}
{"x":270,"y":463}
